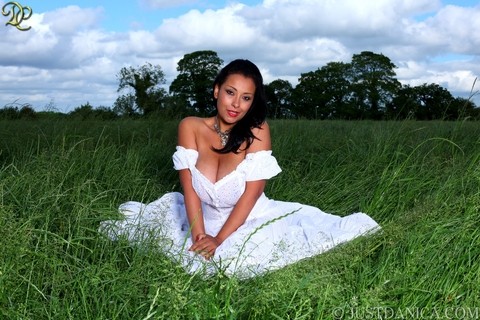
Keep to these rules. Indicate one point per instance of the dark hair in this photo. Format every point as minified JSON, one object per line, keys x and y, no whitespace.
{"x":255,"y":117}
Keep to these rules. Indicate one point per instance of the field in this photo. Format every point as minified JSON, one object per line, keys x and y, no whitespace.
{"x":419,"y":180}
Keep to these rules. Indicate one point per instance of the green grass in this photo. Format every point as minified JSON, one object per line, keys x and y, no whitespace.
{"x":419,"y":180}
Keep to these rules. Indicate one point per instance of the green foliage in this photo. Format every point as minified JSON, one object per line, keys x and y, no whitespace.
{"x":12,"y":112}
{"x":428,"y":102}
{"x":325,"y":93}
{"x":279,"y":99}
{"x":9,"y":113}
{"x":125,"y":106}
{"x":365,"y":88}
{"x":419,"y":180}
{"x":86,"y":111}
{"x":374,"y":83}
{"x":358,"y":90}
{"x":145,"y":81}
{"x":194,"y":83}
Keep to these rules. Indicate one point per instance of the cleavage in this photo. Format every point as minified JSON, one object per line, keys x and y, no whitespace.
{"x":219,"y":168}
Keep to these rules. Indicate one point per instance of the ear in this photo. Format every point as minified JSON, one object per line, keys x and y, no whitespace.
{"x":215,"y":91}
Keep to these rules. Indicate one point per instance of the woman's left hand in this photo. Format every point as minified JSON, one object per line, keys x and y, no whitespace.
{"x":205,"y":245}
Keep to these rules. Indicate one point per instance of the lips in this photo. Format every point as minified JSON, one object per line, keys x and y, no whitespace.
{"x":232,"y":114}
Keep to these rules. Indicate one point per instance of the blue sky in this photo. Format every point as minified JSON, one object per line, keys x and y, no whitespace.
{"x":121,"y":16}
{"x":75,"y":48}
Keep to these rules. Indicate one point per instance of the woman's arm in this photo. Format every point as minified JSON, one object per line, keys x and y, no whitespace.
{"x":253,"y":190}
{"x":244,"y":206}
{"x":207,"y":244}
{"x":186,"y":139}
{"x":193,"y":205}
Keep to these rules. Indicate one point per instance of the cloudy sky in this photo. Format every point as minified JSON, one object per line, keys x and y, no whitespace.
{"x":75,"y":49}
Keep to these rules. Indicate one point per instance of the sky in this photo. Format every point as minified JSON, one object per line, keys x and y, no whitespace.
{"x":75,"y":49}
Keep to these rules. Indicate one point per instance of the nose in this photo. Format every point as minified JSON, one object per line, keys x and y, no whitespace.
{"x":236,"y":102}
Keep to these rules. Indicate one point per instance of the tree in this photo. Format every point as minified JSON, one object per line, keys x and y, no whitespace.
{"x":279,"y":96}
{"x":433,"y":102}
{"x":197,"y":71}
{"x":465,"y":108}
{"x":307,"y":96}
{"x":104,"y":113}
{"x":85,"y":111}
{"x":9,"y":113}
{"x":146,"y":82}
{"x":374,"y":82}
{"x":335,"y":80}
{"x":404,"y":105}
{"x":426,"y":102}
{"x":325,"y":93}
{"x":125,"y":105}
{"x":27,"y":112}
{"x":175,"y":108}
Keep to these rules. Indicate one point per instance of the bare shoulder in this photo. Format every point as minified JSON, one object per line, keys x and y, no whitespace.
{"x":187,"y":132}
{"x":190,"y":121}
{"x":263,"y":131}
{"x":263,"y":139}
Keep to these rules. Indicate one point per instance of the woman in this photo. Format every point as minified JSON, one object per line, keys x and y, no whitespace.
{"x":224,"y":221}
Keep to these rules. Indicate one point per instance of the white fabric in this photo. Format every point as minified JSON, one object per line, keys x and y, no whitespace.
{"x":275,"y":234}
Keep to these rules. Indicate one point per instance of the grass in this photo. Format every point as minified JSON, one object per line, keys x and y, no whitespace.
{"x":419,"y":180}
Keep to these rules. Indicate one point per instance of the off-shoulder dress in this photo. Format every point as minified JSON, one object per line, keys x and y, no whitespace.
{"x":275,"y":234}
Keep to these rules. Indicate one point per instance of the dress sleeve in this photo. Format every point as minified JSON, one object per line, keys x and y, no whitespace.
{"x":260,"y":165}
{"x":184,"y":158}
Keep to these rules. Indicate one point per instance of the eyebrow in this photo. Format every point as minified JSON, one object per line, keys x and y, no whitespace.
{"x":232,"y":87}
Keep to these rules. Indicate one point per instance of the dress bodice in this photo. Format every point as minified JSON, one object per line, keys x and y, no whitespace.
{"x":220,"y":197}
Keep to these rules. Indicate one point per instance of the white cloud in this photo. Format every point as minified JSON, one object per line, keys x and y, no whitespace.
{"x":289,"y":19}
{"x":209,"y":29}
{"x":72,"y":19}
{"x":456,"y":28}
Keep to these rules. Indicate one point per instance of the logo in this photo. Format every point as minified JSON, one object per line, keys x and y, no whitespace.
{"x":17,"y":13}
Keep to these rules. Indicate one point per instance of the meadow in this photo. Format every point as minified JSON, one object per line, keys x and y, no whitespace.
{"x":419,"y":180}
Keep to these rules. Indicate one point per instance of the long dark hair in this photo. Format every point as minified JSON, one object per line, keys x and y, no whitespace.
{"x":255,"y":117}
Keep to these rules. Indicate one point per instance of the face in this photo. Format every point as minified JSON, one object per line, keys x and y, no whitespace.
{"x":234,"y":98}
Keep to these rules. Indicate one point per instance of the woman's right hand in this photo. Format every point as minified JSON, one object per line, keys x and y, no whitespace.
{"x":205,"y":245}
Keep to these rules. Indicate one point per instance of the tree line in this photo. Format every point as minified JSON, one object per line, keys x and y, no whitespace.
{"x":365,"y":88}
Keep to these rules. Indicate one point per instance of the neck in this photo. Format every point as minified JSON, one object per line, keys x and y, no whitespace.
{"x":221,"y":126}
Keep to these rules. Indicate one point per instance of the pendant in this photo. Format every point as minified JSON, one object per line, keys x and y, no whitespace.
{"x":224,"y":139}
{"x":223,"y":135}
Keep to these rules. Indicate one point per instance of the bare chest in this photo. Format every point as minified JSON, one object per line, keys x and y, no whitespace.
{"x":215,"y":166}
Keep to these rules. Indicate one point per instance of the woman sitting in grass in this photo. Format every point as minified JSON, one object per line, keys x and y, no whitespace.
{"x":223,"y":222}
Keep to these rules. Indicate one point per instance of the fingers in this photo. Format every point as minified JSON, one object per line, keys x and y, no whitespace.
{"x":207,"y":243}
{"x":207,"y":254}
{"x":205,"y":247}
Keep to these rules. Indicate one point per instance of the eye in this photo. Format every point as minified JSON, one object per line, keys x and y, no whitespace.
{"x":229,"y":92}
{"x":247,"y":98}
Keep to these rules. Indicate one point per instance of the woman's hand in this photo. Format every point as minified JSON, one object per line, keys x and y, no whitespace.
{"x":205,"y":245}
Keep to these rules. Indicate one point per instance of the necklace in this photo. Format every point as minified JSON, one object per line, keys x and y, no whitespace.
{"x":223,"y":135}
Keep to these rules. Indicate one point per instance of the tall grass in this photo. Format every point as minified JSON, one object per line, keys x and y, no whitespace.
{"x":419,"y":180}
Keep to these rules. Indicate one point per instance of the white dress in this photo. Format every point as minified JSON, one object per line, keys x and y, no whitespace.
{"x":275,"y":234}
